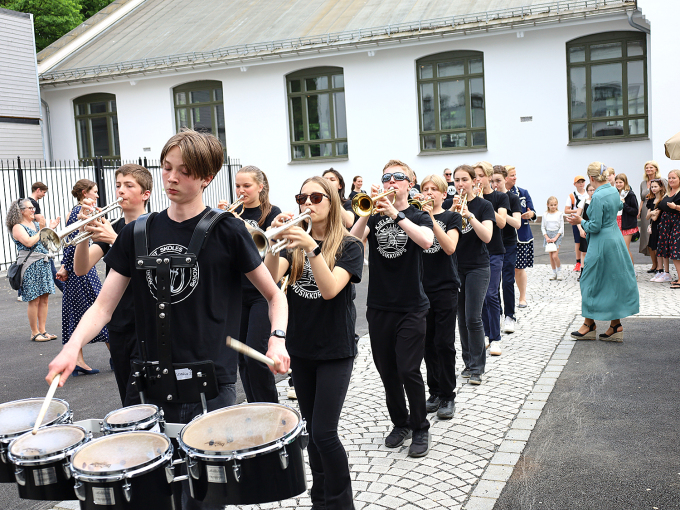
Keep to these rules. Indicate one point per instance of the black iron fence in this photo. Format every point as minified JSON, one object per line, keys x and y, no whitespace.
{"x":17,"y":177}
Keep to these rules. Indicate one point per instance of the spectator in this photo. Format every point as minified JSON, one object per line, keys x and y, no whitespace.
{"x":611,"y":176}
{"x":651,"y":172}
{"x":357,"y":182}
{"x":657,"y":192}
{"x":415,"y":189}
{"x":552,"y":227}
{"x":450,"y":190}
{"x":584,"y":214}
{"x":627,"y":217}
{"x":38,"y":191}
{"x":574,"y":203}
{"x":669,"y":226}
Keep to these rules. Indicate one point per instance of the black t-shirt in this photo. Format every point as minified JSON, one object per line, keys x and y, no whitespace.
{"x":251,"y":215}
{"x":35,"y":204}
{"x":353,"y":193}
{"x":663,"y":203}
{"x":450,"y":193}
{"x":206,"y":299}
{"x":123,"y":317}
{"x":440,"y":271}
{"x":320,"y":328}
{"x":396,"y":264}
{"x":471,"y":250}
{"x":510,"y":233}
{"x":498,"y":200}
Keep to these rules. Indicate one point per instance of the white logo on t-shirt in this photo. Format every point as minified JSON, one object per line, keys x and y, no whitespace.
{"x":467,"y":226}
{"x":435,"y":245}
{"x":305,"y":286}
{"x":183,"y":280}
{"x":391,"y":239}
{"x":451,"y":190}
{"x":252,"y":223}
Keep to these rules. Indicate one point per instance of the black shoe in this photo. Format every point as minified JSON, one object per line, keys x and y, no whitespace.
{"x":476,"y":379}
{"x":653,"y":270}
{"x":588,"y":335}
{"x":398,"y":436}
{"x":446,"y":409}
{"x":420,"y":444}
{"x":465,"y":374}
{"x":432,"y":404}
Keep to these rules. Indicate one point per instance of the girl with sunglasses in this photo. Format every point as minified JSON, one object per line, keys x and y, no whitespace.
{"x":320,"y":340}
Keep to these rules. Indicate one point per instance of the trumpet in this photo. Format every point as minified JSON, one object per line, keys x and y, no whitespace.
{"x":419,"y":204}
{"x":263,"y":238}
{"x":462,"y":203}
{"x":53,"y":240}
{"x":232,"y":207}
{"x":364,"y":204}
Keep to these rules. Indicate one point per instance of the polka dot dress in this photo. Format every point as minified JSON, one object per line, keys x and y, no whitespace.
{"x":79,"y":292}
{"x":525,"y":255}
{"x":668,"y":245}
{"x":38,"y":276}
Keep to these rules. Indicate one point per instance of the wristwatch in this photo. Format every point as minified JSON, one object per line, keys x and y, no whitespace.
{"x":471,"y":217}
{"x":311,"y":254}
{"x":278,"y":333}
{"x":400,"y":216}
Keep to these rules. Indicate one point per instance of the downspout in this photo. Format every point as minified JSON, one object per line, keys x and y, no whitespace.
{"x":635,"y":25}
{"x":48,"y":125}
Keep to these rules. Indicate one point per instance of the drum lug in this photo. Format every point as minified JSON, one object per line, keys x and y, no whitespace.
{"x":283,"y":457}
{"x":304,"y":436}
{"x":169,"y":473}
{"x":101,"y":427}
{"x":126,"y":491}
{"x":79,"y":490}
{"x":237,"y":471}
{"x":3,"y":453}
{"x":19,"y":474}
{"x":192,"y":468}
{"x":67,"y":469}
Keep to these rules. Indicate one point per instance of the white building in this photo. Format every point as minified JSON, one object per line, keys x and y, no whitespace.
{"x":297,"y":87}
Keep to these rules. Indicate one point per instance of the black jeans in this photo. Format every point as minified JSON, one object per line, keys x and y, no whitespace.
{"x":440,"y":349}
{"x":321,"y":386}
{"x":123,"y":349}
{"x":398,"y":345}
{"x":258,"y":381}
{"x":473,"y":285}
{"x":508,"y":280}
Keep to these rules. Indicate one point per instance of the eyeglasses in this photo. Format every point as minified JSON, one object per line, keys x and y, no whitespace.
{"x":314,"y":198}
{"x":29,"y":208}
{"x":398,"y":176}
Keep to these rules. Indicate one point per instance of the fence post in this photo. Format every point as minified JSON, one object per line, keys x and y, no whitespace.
{"x":99,"y":179}
{"x":20,"y":179}
{"x":230,"y":181}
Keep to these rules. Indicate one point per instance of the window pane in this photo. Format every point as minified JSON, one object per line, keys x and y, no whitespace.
{"x":452,"y":104}
{"x":341,"y":148}
{"x":317,"y":150}
{"x":577,"y":86}
{"x":112,"y":108}
{"x":479,"y":139}
{"x":221,"y":134}
{"x":319,"y":83}
{"x":605,"y":86}
{"x":429,"y":142}
{"x":218,"y":94}
{"x":202,"y":119}
{"x":100,"y":136}
{"x":298,"y":126}
{"x":476,"y":65}
{"x":298,"y":151}
{"x":577,"y":54}
{"x":81,"y":109}
{"x":295,"y":86}
{"x":477,"y":102}
{"x":427,"y":106}
{"x":636,"y":127}
{"x":611,"y":128}
{"x":182,"y":119}
{"x":454,"y":140}
{"x":339,"y":113}
{"x":636,"y":88}
{"x":181,"y":98}
{"x":83,"y":139}
{"x":98,"y":107}
{"x":426,"y":71}
{"x":634,"y":48}
{"x":450,"y":69}
{"x":200,"y":96}
{"x":319,"y":117}
{"x":607,"y":50}
{"x":116,"y":144}
{"x":579,"y":130}
{"x":338,"y":81}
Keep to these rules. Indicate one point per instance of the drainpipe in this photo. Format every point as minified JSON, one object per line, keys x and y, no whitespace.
{"x":48,"y":126}
{"x":635,"y":25}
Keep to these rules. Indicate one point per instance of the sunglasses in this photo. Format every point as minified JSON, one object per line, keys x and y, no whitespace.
{"x":314,"y":198}
{"x":448,"y":175}
{"x":398,"y":176}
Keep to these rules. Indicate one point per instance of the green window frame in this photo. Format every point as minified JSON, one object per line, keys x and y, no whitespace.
{"x":607,"y":87}
{"x":199,"y":106}
{"x":451,"y":101}
{"x":96,"y":126}
{"x":317,"y":115}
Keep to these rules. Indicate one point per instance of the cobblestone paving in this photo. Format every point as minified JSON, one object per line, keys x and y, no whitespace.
{"x":472,"y":455}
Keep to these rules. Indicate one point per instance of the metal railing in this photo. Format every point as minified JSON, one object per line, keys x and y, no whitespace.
{"x":17,"y":177}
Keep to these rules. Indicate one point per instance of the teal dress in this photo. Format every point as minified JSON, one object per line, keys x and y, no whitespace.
{"x":609,"y":289}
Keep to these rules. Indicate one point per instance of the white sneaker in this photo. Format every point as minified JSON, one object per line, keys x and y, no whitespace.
{"x":665,"y":277}
{"x":655,"y":278}
{"x":19,"y":299}
{"x":558,"y":276}
{"x":509,"y":326}
{"x":495,"y":349}
{"x":486,"y":342}
{"x":553,"y":276}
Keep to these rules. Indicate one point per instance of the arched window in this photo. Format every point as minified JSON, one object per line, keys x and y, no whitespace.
{"x":316,"y":109}
{"x":607,"y":86}
{"x":97,"y":126}
{"x":451,"y":101}
{"x":198,"y":106}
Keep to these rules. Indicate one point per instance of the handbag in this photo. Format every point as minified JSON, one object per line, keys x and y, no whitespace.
{"x":649,"y":229}
{"x":14,"y":272}
{"x":550,"y":248}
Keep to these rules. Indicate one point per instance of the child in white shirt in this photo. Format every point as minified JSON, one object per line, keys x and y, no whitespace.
{"x":552,"y":227}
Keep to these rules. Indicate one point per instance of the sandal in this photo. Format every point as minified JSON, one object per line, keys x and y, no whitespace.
{"x":588,"y":335}
{"x":616,"y":336}
{"x":39,"y":338}
{"x":675,"y":285}
{"x":49,"y":336}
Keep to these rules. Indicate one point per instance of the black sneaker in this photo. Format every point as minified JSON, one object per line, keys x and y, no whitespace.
{"x":432,"y":404}
{"x":476,"y":379}
{"x":420,"y":444}
{"x":398,"y":436}
{"x":446,"y":409}
{"x":465,"y":374}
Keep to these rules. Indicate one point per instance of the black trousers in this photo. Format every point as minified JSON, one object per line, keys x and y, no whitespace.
{"x":440,"y":349}
{"x":258,"y":381}
{"x":473,"y":285}
{"x":123,"y":349}
{"x":321,"y":386}
{"x":398,"y":345}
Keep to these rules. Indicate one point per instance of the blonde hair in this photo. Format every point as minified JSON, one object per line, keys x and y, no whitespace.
{"x":395,"y":162}
{"x":624,"y":178}
{"x":437,"y":181}
{"x":486,"y":166}
{"x":597,"y":171}
{"x":550,"y":199}
{"x":657,"y":175}
{"x":677,"y":174}
{"x":610,"y":171}
{"x":261,"y":180}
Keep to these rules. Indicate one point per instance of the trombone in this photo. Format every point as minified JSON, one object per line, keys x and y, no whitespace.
{"x":263,"y":238}
{"x":364,"y":204}
{"x":53,"y":240}
{"x":419,"y":204}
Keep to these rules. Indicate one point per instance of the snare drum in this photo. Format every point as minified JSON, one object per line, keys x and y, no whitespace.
{"x":18,"y":417}
{"x":42,"y":461}
{"x":245,"y":454}
{"x":140,"y":417}
{"x":129,"y":470}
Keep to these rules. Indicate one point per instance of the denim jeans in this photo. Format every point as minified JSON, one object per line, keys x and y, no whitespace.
{"x":491,"y":313}
{"x":473,"y":286}
{"x":508,"y":280}
{"x":58,"y":283}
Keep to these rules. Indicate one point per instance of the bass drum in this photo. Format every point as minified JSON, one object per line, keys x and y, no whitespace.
{"x":18,"y":417}
{"x":245,"y":454}
{"x":140,"y":417}
{"x":42,"y":461}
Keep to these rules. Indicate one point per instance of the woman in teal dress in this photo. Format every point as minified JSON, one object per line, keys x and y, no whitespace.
{"x":608,"y":286}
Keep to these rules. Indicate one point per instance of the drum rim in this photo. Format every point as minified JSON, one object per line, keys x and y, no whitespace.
{"x":113,"y":476}
{"x":245,"y":453}
{"x":157,"y":416}
{"x":67,"y":415}
{"x":39,"y":460}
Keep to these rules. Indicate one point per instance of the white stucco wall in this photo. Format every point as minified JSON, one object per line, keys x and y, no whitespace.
{"x":523,"y":77}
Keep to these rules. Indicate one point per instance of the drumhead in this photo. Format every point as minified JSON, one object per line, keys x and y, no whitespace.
{"x":19,"y":416}
{"x":119,"y":452}
{"x":240,"y":427}
{"x":47,"y":441}
{"x":130,"y":415}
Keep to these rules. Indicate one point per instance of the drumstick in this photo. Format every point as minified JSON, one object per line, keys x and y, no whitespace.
{"x":46,"y":403}
{"x":250,"y":352}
